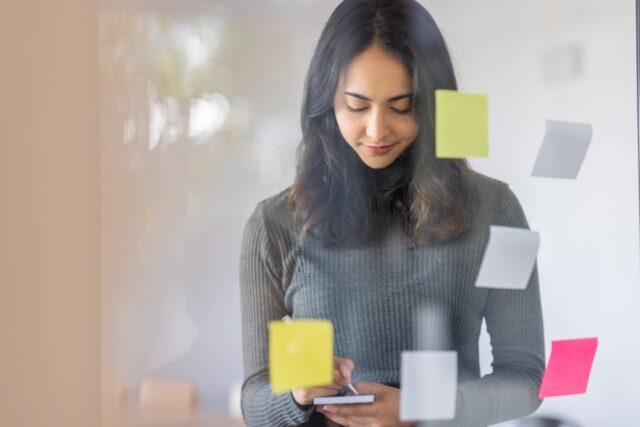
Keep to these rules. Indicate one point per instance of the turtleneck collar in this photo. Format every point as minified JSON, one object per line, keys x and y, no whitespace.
{"x":388,"y":180}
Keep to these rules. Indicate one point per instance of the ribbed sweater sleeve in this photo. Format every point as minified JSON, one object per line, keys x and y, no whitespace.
{"x":262,"y":300}
{"x":514,"y":323}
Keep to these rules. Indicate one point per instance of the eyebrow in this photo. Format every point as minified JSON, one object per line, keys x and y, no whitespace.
{"x":392,"y":99}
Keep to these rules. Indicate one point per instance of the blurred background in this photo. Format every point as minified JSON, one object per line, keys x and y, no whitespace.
{"x":164,"y":123}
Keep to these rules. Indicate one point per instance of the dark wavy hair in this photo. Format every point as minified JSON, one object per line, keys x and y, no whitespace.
{"x":335,"y":196}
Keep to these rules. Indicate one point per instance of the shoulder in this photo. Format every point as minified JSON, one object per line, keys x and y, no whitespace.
{"x":271,"y":232}
{"x":489,"y":188}
{"x":275,"y":209}
{"x":274,"y":216}
{"x":497,"y":203}
{"x":277,"y":203}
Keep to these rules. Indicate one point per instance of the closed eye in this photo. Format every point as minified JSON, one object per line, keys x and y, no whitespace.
{"x":356,"y":110}
{"x":360,"y":110}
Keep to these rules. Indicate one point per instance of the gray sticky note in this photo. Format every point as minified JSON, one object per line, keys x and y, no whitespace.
{"x":509,"y":258}
{"x":429,"y":385}
{"x":563,"y":149}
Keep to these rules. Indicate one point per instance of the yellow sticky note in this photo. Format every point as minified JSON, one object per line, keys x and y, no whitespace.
{"x":462,"y":125}
{"x":300,"y":354}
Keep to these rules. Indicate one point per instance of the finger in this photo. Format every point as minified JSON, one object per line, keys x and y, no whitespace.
{"x":349,"y":421}
{"x":338,"y":379}
{"x":370,"y":388}
{"x":361,"y":422}
{"x":323,"y":391}
{"x":336,"y":418}
{"x":336,"y":386}
{"x":306,"y":396}
{"x":355,"y":410}
{"x":346,"y":366}
{"x":342,"y":360}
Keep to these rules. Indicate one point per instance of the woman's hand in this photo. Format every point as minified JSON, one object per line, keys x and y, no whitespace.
{"x":384,"y":412}
{"x":342,"y":369}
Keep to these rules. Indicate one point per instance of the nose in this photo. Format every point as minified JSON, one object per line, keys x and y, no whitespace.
{"x":377,"y":127}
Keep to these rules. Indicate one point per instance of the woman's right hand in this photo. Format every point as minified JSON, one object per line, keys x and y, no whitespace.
{"x":342,"y":369}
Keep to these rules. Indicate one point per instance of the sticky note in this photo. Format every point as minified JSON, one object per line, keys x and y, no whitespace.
{"x":563,"y":150}
{"x":462,"y":125}
{"x":429,"y":384}
{"x":569,"y":367}
{"x":509,"y":258}
{"x":300,"y":354}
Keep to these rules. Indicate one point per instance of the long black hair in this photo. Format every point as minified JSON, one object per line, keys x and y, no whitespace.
{"x":335,"y":196}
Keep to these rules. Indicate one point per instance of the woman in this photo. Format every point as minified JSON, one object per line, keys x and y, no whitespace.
{"x":375,"y":229}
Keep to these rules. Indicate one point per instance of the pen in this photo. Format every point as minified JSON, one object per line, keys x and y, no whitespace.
{"x":349,"y":386}
{"x":352,"y":389}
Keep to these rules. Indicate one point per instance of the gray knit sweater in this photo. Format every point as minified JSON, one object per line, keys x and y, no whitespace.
{"x":373,"y":295}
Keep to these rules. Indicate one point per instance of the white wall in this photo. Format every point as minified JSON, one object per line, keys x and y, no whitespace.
{"x":589,"y":254}
{"x":49,"y":215}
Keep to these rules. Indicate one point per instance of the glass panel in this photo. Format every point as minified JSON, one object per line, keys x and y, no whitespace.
{"x":201,"y":105}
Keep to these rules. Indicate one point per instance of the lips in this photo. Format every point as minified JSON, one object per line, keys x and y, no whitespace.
{"x":379,"y":149}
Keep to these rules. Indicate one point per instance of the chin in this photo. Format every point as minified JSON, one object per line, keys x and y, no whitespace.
{"x":378,"y":163}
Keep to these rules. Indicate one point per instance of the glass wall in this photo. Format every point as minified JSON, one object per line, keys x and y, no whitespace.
{"x":200,"y":121}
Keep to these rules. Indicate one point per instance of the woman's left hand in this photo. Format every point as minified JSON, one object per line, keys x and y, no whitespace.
{"x":383,"y":412}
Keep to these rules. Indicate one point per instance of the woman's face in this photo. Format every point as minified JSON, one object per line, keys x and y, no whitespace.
{"x":373,"y":107}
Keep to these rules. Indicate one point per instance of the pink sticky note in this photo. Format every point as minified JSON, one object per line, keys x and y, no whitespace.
{"x":569,"y":367}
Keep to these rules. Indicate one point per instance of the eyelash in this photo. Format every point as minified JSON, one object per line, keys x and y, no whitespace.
{"x":360,"y":110}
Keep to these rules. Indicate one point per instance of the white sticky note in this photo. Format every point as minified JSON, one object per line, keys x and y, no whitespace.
{"x":563,"y":150}
{"x":428,"y":385}
{"x":509,"y":258}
